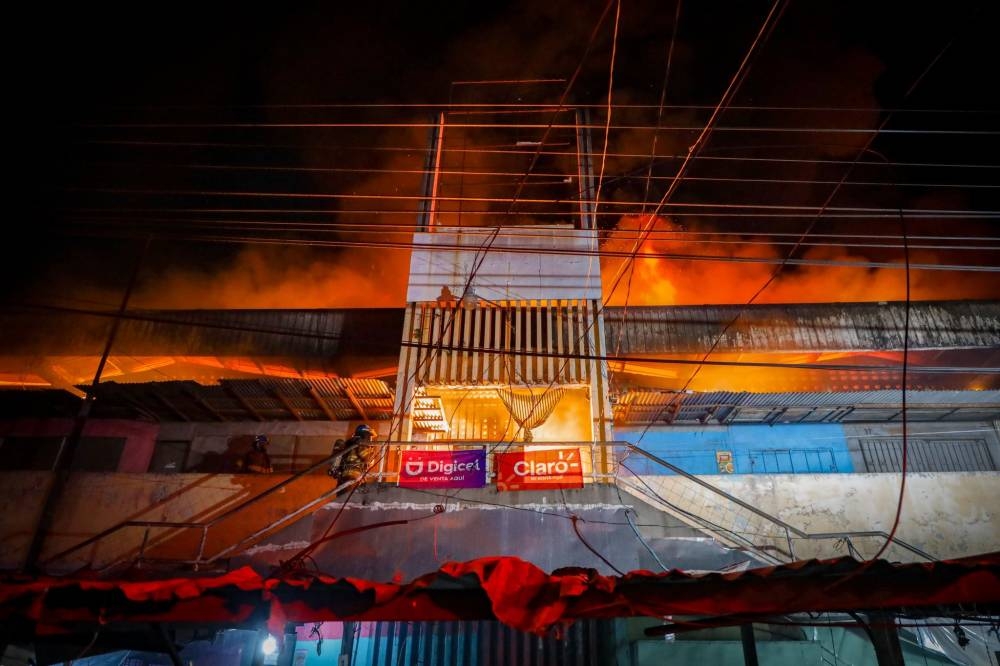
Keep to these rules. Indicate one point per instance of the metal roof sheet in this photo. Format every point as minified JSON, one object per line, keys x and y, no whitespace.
{"x":803,"y":327}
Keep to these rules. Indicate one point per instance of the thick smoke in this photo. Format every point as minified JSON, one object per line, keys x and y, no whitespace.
{"x":661,"y":281}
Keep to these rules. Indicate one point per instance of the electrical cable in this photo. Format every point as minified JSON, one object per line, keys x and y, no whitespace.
{"x":675,"y":235}
{"x":135,"y":231}
{"x":574,"y":520}
{"x":480,"y":256}
{"x":595,"y":207}
{"x":649,"y":171}
{"x":397,"y":417}
{"x":903,"y":389}
{"x":263,"y":229}
{"x":621,"y":205}
{"x":663,"y":97}
{"x":559,"y":178}
{"x":529,"y":126}
{"x":925,"y":213}
{"x":561,"y":105}
{"x":607,"y":127}
{"x":514,"y":151}
{"x":829,"y":199}
{"x":545,"y":106}
{"x":638,"y":535}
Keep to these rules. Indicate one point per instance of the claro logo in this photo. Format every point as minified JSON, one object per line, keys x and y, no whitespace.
{"x":418,"y":467}
{"x":537,"y":468}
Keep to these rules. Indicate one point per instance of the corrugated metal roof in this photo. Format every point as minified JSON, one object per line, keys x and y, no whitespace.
{"x":271,"y":333}
{"x":253,"y":399}
{"x":804,"y":327}
{"x":639,"y":406}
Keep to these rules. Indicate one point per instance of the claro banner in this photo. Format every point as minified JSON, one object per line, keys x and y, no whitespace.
{"x":539,"y":470}
{"x":443,"y":469}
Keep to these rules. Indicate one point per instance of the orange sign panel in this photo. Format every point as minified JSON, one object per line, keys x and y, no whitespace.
{"x":539,"y":470}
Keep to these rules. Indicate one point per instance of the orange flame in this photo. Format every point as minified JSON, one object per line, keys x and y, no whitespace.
{"x":661,"y":281}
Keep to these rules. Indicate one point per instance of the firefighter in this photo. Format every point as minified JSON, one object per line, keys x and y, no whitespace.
{"x":357,"y":453}
{"x":256,"y":460}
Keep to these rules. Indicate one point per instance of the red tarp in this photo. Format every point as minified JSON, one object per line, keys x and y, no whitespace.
{"x":513,"y":591}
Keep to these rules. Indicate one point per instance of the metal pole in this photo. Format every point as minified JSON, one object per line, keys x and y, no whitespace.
{"x":749,"y":645}
{"x":70,"y":443}
{"x":347,"y":645}
{"x":287,"y":654}
{"x":885,"y":639}
{"x":168,"y":645}
{"x":258,"y":648}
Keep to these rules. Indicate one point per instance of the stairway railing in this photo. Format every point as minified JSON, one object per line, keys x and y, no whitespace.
{"x":199,"y":558}
{"x":694,"y":501}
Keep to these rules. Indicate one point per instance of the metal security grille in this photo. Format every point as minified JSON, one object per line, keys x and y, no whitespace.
{"x":488,"y":643}
{"x":927,"y":455}
{"x":503,"y":344}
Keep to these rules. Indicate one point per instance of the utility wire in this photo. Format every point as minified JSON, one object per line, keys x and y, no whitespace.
{"x":928,"y":213}
{"x":138,"y":231}
{"x":407,"y":197}
{"x":548,"y":106}
{"x":551,"y":126}
{"x":484,"y":248}
{"x":559,"y":177}
{"x":607,"y":127}
{"x":511,"y":150}
{"x":903,"y":388}
{"x":665,"y":235}
{"x":273,"y":228}
{"x":864,"y":150}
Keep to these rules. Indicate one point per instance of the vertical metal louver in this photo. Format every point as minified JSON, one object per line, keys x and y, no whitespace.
{"x":529,"y":343}
{"x":483,"y":643}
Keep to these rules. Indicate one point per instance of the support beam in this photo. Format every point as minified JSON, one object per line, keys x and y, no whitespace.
{"x":170,"y":406}
{"x":243,"y":402}
{"x":356,"y":403}
{"x":204,"y":404}
{"x":314,"y":394}
{"x":286,"y":404}
{"x":59,"y":378}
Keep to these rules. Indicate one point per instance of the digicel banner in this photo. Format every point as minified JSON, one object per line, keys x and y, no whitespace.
{"x":443,"y":469}
{"x":539,"y":470}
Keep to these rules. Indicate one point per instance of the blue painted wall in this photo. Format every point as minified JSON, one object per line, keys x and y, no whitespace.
{"x":756,"y":449}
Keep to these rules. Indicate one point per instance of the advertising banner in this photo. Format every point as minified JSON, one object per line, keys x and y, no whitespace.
{"x":443,"y":469}
{"x":539,"y":470}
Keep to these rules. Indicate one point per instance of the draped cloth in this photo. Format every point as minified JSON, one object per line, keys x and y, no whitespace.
{"x":528,"y":409}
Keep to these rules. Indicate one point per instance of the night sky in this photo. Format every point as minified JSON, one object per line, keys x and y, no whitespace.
{"x":130,"y":118}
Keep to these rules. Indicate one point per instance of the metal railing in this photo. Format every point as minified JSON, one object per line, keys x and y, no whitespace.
{"x":199,"y":558}
{"x":686,"y":496}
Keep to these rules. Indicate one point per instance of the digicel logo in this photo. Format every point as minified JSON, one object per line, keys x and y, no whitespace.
{"x":416,"y":467}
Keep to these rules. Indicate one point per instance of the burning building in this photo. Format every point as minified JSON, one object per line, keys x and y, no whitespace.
{"x":526,"y":426}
